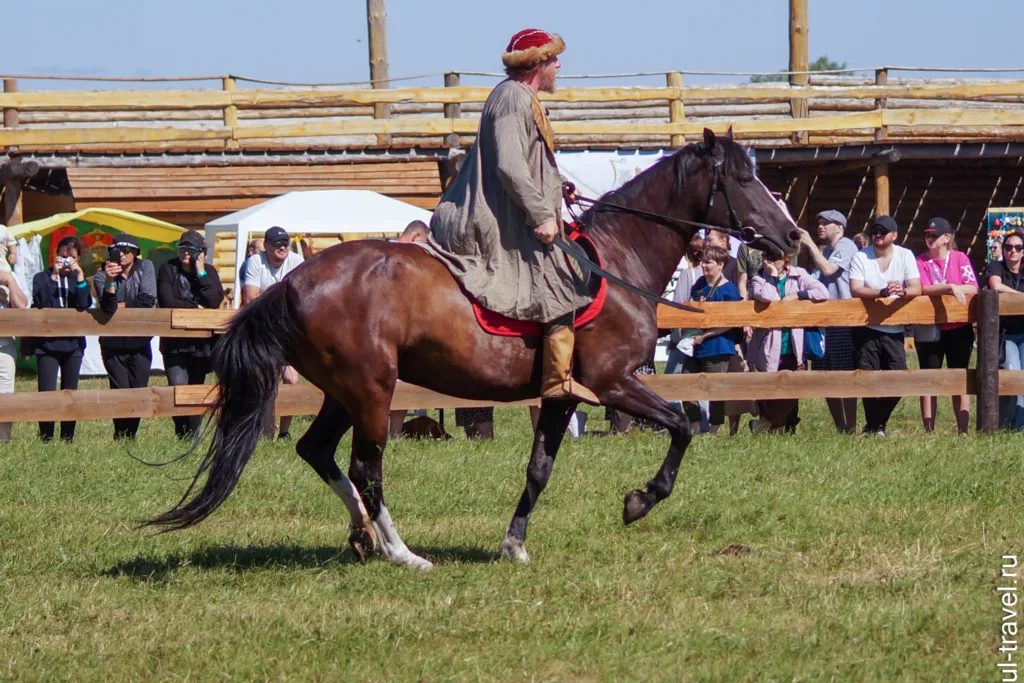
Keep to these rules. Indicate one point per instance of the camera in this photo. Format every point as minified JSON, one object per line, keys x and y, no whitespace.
{"x":64,"y":261}
{"x":114,"y":254}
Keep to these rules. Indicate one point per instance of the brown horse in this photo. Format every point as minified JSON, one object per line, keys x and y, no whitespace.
{"x":361,"y":315}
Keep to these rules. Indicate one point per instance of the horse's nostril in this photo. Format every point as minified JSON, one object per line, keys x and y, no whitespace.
{"x":794,"y":235}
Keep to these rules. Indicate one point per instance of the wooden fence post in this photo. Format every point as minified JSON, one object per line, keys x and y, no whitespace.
{"x":881,"y":78}
{"x":988,"y":361}
{"x":376,"y":21}
{"x":882,"y":190}
{"x":452,"y":110}
{"x":798,"y":60}
{"x":676,"y":111}
{"x":10,"y":115}
{"x":230,"y":114}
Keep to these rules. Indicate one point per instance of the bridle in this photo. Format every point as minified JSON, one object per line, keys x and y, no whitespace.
{"x":717,"y":167}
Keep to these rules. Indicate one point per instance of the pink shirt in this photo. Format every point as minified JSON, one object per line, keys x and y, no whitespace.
{"x":956,"y":269}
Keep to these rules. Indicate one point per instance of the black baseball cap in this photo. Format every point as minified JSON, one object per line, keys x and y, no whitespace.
{"x":125,"y":241}
{"x":884,"y":224}
{"x":277,"y":236}
{"x":192,"y":238}
{"x":939,"y":226}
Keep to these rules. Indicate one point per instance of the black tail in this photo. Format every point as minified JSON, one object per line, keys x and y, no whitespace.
{"x":248,"y":361}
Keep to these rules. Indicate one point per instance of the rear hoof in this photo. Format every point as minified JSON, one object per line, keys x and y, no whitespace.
{"x":636,"y":506}
{"x":513,"y":548}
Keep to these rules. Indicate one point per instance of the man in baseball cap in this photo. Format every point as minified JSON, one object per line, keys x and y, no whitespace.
{"x":882,"y":271}
{"x":833,"y":266}
{"x":263,"y":271}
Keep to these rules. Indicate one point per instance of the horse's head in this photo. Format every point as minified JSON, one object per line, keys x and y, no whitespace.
{"x":736,"y":198}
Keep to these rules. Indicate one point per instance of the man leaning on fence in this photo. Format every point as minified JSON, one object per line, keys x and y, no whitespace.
{"x":833,"y":266}
{"x":882,"y":271}
{"x":126,"y":281}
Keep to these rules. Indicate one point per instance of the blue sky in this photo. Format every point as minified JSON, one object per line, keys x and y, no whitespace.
{"x":325,"y":40}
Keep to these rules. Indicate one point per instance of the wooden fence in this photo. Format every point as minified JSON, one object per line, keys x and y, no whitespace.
{"x":830,"y":110}
{"x":987,"y":382}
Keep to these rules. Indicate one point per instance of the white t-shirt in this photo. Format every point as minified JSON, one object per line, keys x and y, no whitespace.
{"x":902,"y":269}
{"x":6,"y":239}
{"x":259,"y":272}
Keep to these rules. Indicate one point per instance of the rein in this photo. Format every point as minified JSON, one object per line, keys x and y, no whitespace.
{"x":735,"y":229}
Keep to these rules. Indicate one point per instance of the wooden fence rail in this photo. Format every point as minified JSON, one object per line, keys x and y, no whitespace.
{"x":987,"y":382}
{"x":230,"y":119}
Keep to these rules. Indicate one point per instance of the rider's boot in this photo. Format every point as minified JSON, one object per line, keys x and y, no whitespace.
{"x":556,"y":368}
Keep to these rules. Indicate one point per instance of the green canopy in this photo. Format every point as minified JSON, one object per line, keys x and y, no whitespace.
{"x":96,"y":229}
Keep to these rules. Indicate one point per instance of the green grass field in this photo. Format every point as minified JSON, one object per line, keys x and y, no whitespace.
{"x":868,"y":560}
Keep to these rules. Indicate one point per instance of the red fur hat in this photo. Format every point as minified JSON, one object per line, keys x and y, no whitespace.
{"x":530,"y":47}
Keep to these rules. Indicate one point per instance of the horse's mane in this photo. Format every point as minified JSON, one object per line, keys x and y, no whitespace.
{"x":682,"y":165}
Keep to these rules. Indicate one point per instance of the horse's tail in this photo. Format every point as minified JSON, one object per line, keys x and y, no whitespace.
{"x":248,"y":361}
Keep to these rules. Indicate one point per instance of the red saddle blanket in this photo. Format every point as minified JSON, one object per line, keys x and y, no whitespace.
{"x":502,"y":326}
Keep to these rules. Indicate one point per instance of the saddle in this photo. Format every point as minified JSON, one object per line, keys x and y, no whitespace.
{"x":503,"y":326}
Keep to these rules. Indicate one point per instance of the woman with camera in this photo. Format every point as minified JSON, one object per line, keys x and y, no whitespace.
{"x":188,"y":282}
{"x":62,"y":286}
{"x":126,"y":281}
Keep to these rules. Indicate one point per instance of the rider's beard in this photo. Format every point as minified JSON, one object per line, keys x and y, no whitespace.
{"x":547,"y":82}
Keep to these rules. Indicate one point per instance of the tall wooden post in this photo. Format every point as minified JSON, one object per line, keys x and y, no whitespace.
{"x":230,"y":114}
{"x":881,"y":78}
{"x":798,"y":60}
{"x":988,"y":361}
{"x":376,"y":23}
{"x":11,"y":181}
{"x":676,"y":112}
{"x":452,"y":110}
{"x":882,"y":190}
{"x":10,"y":115}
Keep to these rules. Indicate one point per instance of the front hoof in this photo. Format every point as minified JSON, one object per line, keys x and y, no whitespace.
{"x":362,"y":543}
{"x":636,"y":506}
{"x":513,"y":548}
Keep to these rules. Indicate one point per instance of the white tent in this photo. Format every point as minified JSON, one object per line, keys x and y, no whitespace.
{"x":312,"y":212}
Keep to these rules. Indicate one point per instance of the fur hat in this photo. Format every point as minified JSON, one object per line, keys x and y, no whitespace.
{"x":529,"y":48}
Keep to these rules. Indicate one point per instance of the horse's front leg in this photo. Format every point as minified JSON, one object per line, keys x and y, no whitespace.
{"x":633,"y":397}
{"x":551,"y":426}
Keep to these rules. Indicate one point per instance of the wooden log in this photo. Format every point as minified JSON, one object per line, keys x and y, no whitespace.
{"x":844,"y":313}
{"x":798,"y":58}
{"x":676,"y":111}
{"x":881,"y":79}
{"x":127,"y":322}
{"x":23,"y":137}
{"x":230,"y":115}
{"x":10,"y":113}
{"x":453,"y":110}
{"x":988,"y":361}
{"x":881,"y":172}
{"x":376,"y":26}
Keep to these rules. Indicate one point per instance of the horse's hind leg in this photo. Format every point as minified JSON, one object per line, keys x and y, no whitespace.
{"x":317,"y":447}
{"x":631,"y":396}
{"x":369,"y":437}
{"x":551,"y":426}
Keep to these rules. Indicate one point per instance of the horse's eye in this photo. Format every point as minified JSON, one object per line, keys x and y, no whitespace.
{"x":746,"y":180}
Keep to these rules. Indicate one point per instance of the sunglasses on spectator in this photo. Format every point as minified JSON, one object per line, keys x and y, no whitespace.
{"x":931,"y":236}
{"x":879,"y":231}
{"x":278,"y":245}
{"x":1014,"y":247}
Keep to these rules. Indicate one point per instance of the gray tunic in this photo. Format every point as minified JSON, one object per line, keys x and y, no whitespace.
{"x":483,"y":227}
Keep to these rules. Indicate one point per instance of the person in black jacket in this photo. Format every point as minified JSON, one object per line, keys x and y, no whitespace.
{"x":62,"y":286}
{"x":126,"y":281}
{"x":188,"y":282}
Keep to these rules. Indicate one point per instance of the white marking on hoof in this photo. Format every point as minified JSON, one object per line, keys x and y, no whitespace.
{"x":513,"y":548}
{"x":391,"y":545}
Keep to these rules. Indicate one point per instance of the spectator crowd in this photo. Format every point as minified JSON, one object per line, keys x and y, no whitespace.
{"x":870,"y":265}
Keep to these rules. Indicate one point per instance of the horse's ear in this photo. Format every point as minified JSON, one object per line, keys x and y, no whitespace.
{"x":709,"y":139}
{"x":728,"y":133}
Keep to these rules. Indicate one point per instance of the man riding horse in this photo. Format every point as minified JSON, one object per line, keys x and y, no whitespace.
{"x":500,"y":216}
